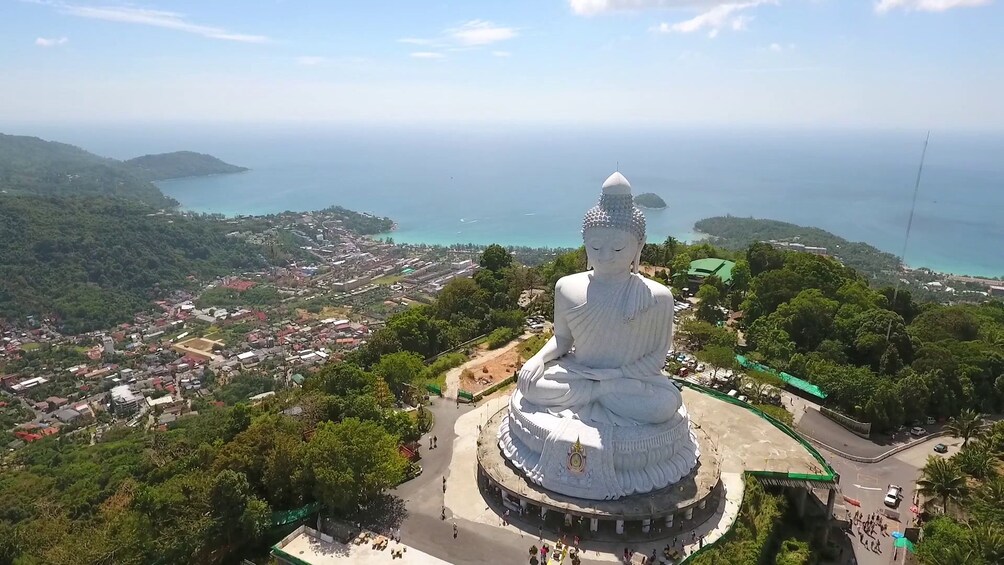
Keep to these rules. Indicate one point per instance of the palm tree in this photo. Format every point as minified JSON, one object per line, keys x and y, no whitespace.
{"x":977,"y":460}
{"x":967,"y":425}
{"x":942,"y":479}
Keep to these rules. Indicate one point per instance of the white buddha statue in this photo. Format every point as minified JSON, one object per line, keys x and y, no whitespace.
{"x":593,"y":415}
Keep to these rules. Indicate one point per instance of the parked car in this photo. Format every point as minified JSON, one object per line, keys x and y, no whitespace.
{"x":893,"y":496}
{"x":918,"y":431}
{"x":941,"y":448}
{"x":700,"y":366}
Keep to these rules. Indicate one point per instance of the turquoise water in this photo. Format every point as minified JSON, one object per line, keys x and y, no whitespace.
{"x":531,"y":187}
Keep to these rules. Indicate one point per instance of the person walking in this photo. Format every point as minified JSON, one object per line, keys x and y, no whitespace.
{"x":435,"y":442}
{"x":455,"y":530}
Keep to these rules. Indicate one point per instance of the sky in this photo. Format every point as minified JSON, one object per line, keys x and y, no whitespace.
{"x":912,"y":64}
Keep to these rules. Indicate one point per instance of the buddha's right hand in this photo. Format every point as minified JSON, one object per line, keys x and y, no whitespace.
{"x":530,"y":373}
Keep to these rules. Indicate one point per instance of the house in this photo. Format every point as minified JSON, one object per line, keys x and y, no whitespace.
{"x":704,"y":268}
{"x":28,"y":384}
{"x":68,"y":415}
{"x":248,"y":359}
{"x":259,"y":397}
{"x":55,"y":402}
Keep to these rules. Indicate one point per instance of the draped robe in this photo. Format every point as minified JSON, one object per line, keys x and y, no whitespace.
{"x":624,"y":332}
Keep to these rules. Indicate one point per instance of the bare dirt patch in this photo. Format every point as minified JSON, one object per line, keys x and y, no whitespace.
{"x":492,"y":371}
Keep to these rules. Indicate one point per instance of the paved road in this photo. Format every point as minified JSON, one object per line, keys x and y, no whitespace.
{"x":867,"y":482}
{"x":423,"y":527}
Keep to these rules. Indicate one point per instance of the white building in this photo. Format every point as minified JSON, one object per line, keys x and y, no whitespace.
{"x":125,"y":400}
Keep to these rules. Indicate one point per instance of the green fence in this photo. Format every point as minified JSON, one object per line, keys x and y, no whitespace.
{"x":465,"y":395}
{"x":284,"y":517}
{"x":791,"y":380}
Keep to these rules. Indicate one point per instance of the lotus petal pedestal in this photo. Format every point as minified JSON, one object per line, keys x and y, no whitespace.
{"x":596,"y":461}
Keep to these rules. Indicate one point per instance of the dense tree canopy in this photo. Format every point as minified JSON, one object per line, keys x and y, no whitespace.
{"x":29,"y":165}
{"x":63,"y":257}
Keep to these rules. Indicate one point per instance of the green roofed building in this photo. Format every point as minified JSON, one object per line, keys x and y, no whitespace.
{"x":704,"y":268}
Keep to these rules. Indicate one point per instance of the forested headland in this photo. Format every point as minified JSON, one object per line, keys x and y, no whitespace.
{"x":736,"y":233}
{"x":29,"y":165}
{"x":180,"y":164}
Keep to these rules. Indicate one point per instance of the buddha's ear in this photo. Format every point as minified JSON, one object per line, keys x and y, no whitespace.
{"x":637,"y":260}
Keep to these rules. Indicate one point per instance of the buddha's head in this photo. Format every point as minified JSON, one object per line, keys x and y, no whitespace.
{"x":614,"y":230}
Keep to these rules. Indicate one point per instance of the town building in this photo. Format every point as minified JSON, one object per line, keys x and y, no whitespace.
{"x":125,"y":400}
{"x":704,"y":268}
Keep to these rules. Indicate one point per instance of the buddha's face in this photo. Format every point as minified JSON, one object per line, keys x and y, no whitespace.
{"x":610,"y":251}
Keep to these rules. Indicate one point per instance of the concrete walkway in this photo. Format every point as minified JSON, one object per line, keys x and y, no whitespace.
{"x":725,"y":516}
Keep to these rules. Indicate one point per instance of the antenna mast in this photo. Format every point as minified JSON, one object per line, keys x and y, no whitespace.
{"x":909,"y":226}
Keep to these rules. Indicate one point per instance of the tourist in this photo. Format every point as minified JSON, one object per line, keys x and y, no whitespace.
{"x":435,"y":441}
{"x":455,"y":530}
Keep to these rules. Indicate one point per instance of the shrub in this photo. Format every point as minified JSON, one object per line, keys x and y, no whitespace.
{"x":500,"y":337}
{"x":776,"y":412}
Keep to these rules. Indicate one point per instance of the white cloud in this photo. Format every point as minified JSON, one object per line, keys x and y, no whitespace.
{"x":593,"y":7}
{"x":427,"y":55}
{"x":715,"y":19}
{"x":156,"y":18}
{"x":480,"y":32}
{"x":775,"y":47}
{"x":883,"y":6}
{"x":501,"y":53}
{"x":310,"y":61}
{"x":51,"y":42}
{"x":472,"y":34}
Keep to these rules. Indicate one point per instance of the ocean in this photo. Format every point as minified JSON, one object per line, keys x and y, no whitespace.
{"x":525,"y":186}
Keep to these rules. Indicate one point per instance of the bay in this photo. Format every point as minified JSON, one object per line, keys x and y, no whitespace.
{"x":530,"y":186}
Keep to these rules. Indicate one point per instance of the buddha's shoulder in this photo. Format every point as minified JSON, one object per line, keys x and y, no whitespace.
{"x":659,"y":291}
{"x":571,"y":281}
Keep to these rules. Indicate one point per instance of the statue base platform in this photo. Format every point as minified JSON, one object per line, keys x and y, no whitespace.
{"x":691,"y":498}
{"x":593,"y":460}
